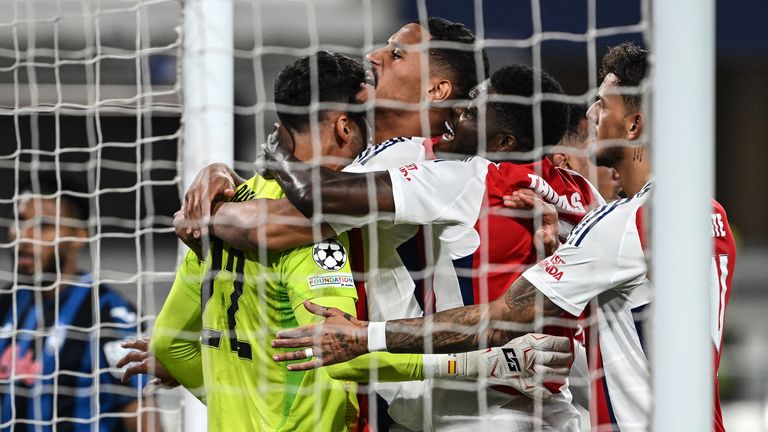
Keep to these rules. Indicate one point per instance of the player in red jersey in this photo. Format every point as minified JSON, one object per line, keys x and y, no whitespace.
{"x":600,"y":271}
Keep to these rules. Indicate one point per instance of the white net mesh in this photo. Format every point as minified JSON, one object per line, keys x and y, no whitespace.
{"x":92,"y":90}
{"x":90,"y":111}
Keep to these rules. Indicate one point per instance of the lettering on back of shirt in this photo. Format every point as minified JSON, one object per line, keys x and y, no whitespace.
{"x":548,"y":194}
{"x":718,"y":227}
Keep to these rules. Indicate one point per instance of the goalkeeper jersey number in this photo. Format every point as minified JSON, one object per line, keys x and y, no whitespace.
{"x":248,"y":296}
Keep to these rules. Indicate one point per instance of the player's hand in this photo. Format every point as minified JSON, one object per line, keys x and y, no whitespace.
{"x":140,"y":361}
{"x":545,"y":238}
{"x":339,"y":338}
{"x":528,"y":363}
{"x":279,"y":146}
{"x":183,"y":233}
{"x":214,"y":182}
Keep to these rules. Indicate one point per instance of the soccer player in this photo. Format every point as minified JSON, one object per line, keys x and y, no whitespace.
{"x":245,"y":295}
{"x":600,"y":272}
{"x":472,"y":192}
{"x":60,"y":340}
{"x":572,"y":153}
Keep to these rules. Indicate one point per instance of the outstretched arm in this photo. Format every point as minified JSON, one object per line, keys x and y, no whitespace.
{"x":340,"y":338}
{"x":272,"y":224}
{"x":340,"y":192}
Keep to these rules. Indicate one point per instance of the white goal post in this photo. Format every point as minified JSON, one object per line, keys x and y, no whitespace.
{"x":683,"y":120}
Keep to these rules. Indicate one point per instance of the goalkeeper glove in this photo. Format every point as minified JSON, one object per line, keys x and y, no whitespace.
{"x":525,"y":363}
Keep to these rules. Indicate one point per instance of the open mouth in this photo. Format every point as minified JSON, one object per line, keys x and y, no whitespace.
{"x":370,"y":77}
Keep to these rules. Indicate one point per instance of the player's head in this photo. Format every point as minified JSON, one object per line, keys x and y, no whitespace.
{"x":45,"y":228}
{"x":572,"y":153}
{"x":509,"y":126}
{"x":342,"y":129}
{"x":617,"y":113}
{"x":452,"y":63}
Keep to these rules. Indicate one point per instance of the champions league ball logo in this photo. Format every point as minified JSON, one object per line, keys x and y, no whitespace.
{"x":329,"y":255}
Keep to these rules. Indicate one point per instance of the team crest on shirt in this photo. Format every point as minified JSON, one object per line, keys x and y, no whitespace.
{"x":329,"y":254}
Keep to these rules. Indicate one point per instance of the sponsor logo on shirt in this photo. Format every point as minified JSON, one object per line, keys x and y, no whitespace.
{"x":26,"y":367}
{"x":550,"y":266}
{"x":329,"y":254}
{"x":406,"y":170}
{"x":331,"y":281}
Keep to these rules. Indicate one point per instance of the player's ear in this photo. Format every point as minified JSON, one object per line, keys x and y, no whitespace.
{"x":505,"y":142}
{"x":636,"y":124}
{"x":560,"y":160}
{"x":348,"y":135}
{"x":341,"y":129}
{"x":440,"y":89}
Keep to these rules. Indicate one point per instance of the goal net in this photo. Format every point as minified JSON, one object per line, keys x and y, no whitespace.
{"x":113,"y":106}
{"x":90,"y":116}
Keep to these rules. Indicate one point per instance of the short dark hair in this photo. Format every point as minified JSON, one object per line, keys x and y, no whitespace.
{"x":517,"y":80}
{"x":459,"y":63}
{"x":46,"y":183}
{"x":338,"y":78}
{"x":629,"y":63}
{"x":577,"y":113}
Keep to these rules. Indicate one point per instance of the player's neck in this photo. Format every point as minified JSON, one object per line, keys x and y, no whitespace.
{"x":395,"y":123}
{"x":634,"y":169}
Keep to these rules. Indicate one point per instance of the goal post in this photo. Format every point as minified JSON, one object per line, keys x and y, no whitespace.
{"x":682,"y":112}
{"x":208,"y":114}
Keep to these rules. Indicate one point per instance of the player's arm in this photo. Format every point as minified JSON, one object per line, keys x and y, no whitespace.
{"x":340,"y":192}
{"x":176,"y":336}
{"x":265,"y":223}
{"x":342,"y":337}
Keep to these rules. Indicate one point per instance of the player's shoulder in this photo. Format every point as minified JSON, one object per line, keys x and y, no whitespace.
{"x":612,"y":221}
{"x":258,"y":187}
{"x":391,"y":153}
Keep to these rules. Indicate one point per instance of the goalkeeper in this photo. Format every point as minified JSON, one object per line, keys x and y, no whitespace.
{"x":245,"y":296}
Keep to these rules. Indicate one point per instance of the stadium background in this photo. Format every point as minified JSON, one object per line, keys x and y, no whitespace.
{"x":134,"y":247}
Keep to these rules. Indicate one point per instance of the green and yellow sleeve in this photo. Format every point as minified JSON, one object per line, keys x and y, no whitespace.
{"x":175,"y":338}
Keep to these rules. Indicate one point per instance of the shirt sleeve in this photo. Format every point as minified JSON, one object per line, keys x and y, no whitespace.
{"x":175,"y":339}
{"x":388,"y":368}
{"x":449,"y":192}
{"x":318,"y":270}
{"x":603,"y":253}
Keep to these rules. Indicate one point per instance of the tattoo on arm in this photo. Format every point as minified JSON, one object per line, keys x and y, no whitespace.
{"x":471,"y":327}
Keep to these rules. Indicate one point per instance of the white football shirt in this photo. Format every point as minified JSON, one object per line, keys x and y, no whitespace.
{"x":594,"y":276}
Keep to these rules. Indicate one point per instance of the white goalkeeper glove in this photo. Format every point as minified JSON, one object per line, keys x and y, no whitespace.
{"x":525,"y":363}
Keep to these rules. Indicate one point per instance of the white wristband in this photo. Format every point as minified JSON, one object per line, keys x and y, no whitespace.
{"x":377,"y":336}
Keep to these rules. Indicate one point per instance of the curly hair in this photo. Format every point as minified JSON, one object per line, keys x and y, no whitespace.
{"x":629,"y":63}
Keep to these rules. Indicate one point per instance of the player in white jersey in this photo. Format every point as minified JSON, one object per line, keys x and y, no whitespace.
{"x":390,"y":289}
{"x":600,"y":270}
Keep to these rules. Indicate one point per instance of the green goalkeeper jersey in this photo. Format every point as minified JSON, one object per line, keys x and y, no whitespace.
{"x":246,"y":298}
{"x":255,"y":393}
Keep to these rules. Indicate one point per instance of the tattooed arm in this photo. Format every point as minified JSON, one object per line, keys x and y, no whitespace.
{"x":340,"y":192}
{"x":341,"y":338}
